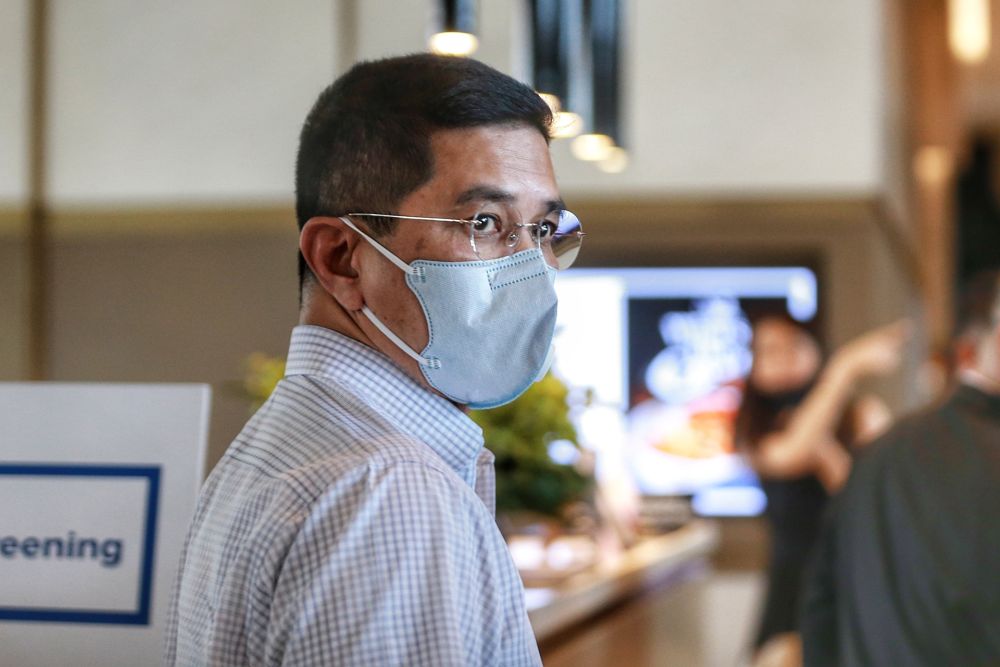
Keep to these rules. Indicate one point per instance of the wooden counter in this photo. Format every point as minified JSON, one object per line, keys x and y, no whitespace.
{"x":648,"y":562}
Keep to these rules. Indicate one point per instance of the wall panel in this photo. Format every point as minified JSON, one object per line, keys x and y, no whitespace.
{"x":183,"y":101}
{"x":770,"y":97}
{"x":13,"y":102}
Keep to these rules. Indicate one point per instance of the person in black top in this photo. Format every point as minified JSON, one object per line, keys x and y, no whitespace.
{"x":796,"y":423}
{"x":908,"y":565}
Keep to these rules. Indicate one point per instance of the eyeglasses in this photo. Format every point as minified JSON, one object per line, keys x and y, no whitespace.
{"x":492,"y":237}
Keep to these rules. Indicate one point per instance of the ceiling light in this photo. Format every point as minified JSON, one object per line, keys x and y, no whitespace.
{"x":454,"y":43}
{"x":592,"y":147}
{"x":615,"y":162}
{"x":969,"y":29}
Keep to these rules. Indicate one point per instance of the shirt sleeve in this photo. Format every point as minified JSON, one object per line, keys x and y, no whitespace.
{"x":400,"y":565}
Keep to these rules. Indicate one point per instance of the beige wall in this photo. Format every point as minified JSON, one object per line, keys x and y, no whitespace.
{"x":13,"y":297}
{"x":744,"y":98}
{"x":194,"y":101}
{"x":184,"y":100}
{"x":144,"y":300}
{"x":13,"y":188}
{"x":13,"y":101}
{"x":720,"y":97}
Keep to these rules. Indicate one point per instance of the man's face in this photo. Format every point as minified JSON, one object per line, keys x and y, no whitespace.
{"x":498,"y":169}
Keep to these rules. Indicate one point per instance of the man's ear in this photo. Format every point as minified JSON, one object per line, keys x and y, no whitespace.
{"x":327,"y":245}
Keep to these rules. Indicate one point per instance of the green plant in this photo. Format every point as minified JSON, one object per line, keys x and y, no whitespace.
{"x":261,"y":374}
{"x":519,"y":435}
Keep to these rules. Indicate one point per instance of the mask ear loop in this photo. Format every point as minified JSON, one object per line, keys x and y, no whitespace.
{"x":433,"y":362}
{"x":406,"y":268}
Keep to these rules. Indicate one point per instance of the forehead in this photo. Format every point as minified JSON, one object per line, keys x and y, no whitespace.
{"x":508,"y":158}
{"x":780,"y":333}
{"x":768,"y":330}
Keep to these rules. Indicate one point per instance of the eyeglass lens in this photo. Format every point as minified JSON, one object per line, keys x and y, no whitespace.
{"x":567,"y":239}
{"x":564,"y":241}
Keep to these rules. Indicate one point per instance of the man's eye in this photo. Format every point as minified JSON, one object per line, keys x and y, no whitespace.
{"x":546,"y":229}
{"x":486,"y":223}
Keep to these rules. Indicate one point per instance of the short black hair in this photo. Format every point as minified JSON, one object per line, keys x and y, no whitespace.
{"x":366,"y":143}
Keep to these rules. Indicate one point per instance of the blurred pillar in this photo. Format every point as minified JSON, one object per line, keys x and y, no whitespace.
{"x":605,"y":48}
{"x":934,"y":133}
{"x":550,"y":48}
{"x":38,"y":222}
{"x":347,"y":34}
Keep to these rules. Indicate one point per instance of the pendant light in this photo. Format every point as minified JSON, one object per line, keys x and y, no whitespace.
{"x":458,"y":34}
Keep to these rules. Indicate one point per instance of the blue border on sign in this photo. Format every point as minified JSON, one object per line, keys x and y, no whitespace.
{"x":141,"y":615}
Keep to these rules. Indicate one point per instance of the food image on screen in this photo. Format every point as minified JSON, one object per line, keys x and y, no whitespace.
{"x":664,"y":352}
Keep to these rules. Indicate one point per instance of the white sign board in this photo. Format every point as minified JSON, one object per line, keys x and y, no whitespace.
{"x":97,"y":485}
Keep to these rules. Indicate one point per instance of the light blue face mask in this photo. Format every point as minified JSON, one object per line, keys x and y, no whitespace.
{"x":490,"y":323}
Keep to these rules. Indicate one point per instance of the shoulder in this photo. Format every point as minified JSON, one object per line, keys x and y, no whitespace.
{"x":877,"y":455}
{"x":387,"y":480}
{"x":373,"y":464}
{"x":399,"y":490}
{"x":900,"y":435}
{"x":903,"y":452}
{"x":311,"y":447}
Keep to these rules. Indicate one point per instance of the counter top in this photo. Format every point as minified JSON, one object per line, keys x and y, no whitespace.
{"x":617,"y":576}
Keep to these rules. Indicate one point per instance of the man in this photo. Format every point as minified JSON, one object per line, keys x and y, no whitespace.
{"x":351,"y":522}
{"x":908,"y":572}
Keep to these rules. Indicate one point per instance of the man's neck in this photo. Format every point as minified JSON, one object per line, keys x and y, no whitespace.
{"x":322,"y":311}
{"x":330,"y":315}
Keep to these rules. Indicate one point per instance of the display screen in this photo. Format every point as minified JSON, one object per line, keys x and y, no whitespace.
{"x":655,"y":358}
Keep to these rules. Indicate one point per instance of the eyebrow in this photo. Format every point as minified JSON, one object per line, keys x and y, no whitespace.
{"x":491,"y":194}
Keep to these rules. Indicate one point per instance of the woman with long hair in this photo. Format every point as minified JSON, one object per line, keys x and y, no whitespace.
{"x":797,"y":423}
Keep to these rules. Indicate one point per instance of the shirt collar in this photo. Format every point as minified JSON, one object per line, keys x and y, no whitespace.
{"x":383,"y":385}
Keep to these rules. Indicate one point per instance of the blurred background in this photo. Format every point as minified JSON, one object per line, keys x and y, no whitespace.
{"x":828,"y":160}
